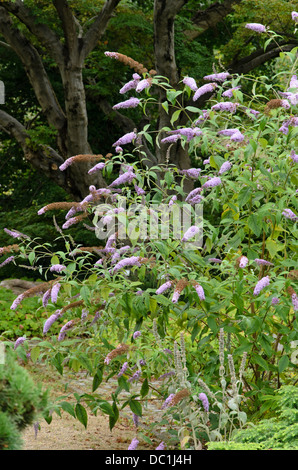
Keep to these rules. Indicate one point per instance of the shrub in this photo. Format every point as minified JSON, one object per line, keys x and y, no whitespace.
{"x":20,"y":402}
{"x":152,"y":311}
{"x":277,"y":433}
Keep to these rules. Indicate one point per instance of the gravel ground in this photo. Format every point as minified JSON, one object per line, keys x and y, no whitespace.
{"x":67,"y":433}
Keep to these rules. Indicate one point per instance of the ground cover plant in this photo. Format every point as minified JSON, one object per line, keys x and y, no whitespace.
{"x":200,"y":317}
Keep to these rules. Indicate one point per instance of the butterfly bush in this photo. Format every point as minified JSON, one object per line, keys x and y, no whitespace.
{"x":151,"y":310}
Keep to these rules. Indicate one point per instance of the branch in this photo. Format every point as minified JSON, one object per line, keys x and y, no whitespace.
{"x":165,"y":12}
{"x":69,"y":27}
{"x":94,"y":33}
{"x":42,"y":158}
{"x":48,"y":38}
{"x":210,"y":17}
{"x":34,"y":69}
{"x":259,"y":57}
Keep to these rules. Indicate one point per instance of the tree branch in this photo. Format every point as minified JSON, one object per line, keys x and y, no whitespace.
{"x":41,"y":157}
{"x":69,"y":27}
{"x":48,"y":38}
{"x":259,"y":57}
{"x":210,"y":17}
{"x":98,"y":27}
{"x":34,"y":69}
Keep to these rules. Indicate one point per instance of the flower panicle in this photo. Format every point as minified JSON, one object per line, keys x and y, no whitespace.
{"x":79,"y":158}
{"x":38,"y":289}
{"x":133,"y":64}
{"x":9,"y":248}
{"x":120,"y":349}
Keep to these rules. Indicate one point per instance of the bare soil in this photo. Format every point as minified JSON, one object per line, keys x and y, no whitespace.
{"x":66,"y":432}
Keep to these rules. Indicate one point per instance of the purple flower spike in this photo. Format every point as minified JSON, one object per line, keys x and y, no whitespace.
{"x":123,"y":179}
{"x":190,"y":233}
{"x":96,"y":168}
{"x":57,"y":268}
{"x":192,"y":172}
{"x":164,"y":287}
{"x":294,"y":16}
{"x":229,"y":93}
{"x":134,"y":444}
{"x":294,"y":156}
{"x":257,"y":27}
{"x":289,"y":214}
{"x":132,"y":261}
{"x":208,"y":88}
{"x":295,"y":301}
{"x":19,"y":341}
{"x":130,"y":103}
{"x":7,"y":261}
{"x":226,"y":166}
{"x":54,"y":292}
{"x":161,"y":446}
{"x":204,"y":400}
{"x":243,"y":262}
{"x":167,"y":402}
{"x":49,"y":322}
{"x":263,"y":262}
{"x":217,"y":77}
{"x":136,"y":334}
{"x":125,"y":139}
{"x":146,"y":83}
{"x":216,"y":181}
{"x":190,"y":82}
{"x":123,"y":369}
{"x":64,"y":329}
{"x":200,"y":291}
{"x":225,"y":106}
{"x":264,"y":282}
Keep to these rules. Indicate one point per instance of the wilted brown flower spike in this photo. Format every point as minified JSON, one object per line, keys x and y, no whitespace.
{"x":9,"y":249}
{"x":179,"y":396}
{"x":121,"y":349}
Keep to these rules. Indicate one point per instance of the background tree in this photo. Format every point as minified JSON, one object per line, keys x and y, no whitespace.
{"x":60,"y":46}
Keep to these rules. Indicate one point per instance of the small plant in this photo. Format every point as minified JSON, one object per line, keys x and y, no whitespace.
{"x":197,"y":413}
{"x":277,"y":433}
{"x":21,"y":402}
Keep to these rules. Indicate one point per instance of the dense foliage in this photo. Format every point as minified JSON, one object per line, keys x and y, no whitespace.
{"x":21,"y":402}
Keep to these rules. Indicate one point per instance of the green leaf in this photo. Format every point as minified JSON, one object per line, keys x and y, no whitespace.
{"x":244,"y":195}
{"x":106,"y":408}
{"x":31,"y":257}
{"x":85,"y":293}
{"x":55,"y":260}
{"x":85,"y":362}
{"x":254,"y":224}
{"x":81,"y":414}
{"x":165,"y":106}
{"x":175,"y":116}
{"x":192,"y":109}
{"x":135,"y":407}
{"x":261,"y":362}
{"x":34,"y":353}
{"x":212,"y":324}
{"x":145,"y":388}
{"x":283,"y":363}
{"x":97,"y":379}
{"x":273,"y":247}
{"x":68,"y":407}
{"x":113,"y":419}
